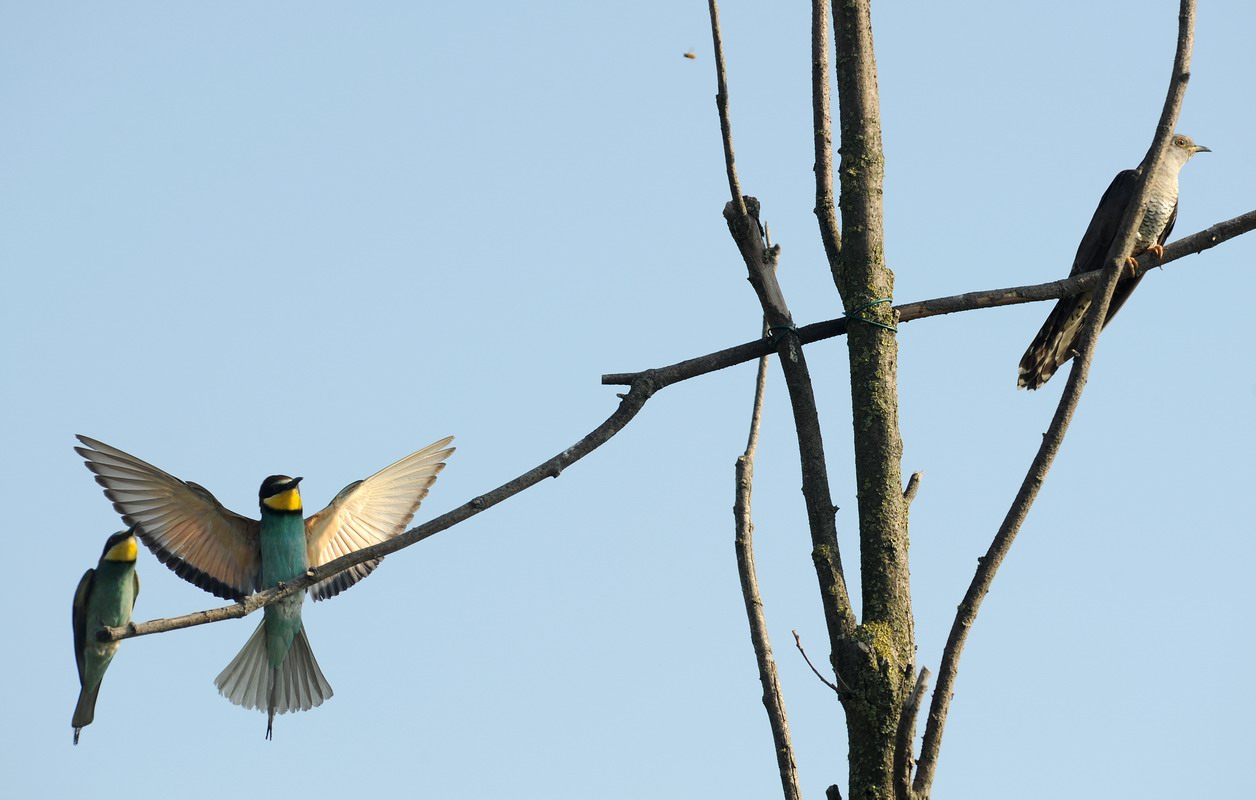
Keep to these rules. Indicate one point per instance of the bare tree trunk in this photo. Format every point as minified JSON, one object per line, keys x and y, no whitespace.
{"x":879,"y":671}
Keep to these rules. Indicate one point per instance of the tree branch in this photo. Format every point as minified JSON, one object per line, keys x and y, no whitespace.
{"x":906,"y":733}
{"x":742,"y":216}
{"x":913,"y":486}
{"x":824,"y":680}
{"x":773,"y":701}
{"x":922,"y":309}
{"x":647,"y":382}
{"x":721,"y":103}
{"x":821,"y":120}
{"x":988,"y":566}
{"x":629,"y":405}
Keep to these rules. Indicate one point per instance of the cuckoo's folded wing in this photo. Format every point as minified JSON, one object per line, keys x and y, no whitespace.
{"x":1102,"y":231}
{"x":371,"y":511}
{"x":1103,"y":225}
{"x":182,"y":523}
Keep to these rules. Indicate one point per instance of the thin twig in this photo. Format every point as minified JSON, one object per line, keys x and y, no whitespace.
{"x":721,"y":103}
{"x":913,"y":486}
{"x":969,"y":301}
{"x":631,"y":403}
{"x":756,"y":409}
{"x":822,"y":121}
{"x":989,"y":565}
{"x":773,"y":700}
{"x":824,"y":680}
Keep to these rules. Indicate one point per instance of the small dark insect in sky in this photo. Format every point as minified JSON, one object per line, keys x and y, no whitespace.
{"x":691,"y":55}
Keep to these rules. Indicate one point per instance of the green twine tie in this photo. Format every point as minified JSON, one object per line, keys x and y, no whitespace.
{"x":854,"y":315}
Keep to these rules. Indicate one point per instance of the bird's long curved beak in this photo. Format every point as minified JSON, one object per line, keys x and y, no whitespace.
{"x":1199,"y":148}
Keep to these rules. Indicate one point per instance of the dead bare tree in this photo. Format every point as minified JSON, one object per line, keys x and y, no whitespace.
{"x":881,"y":686}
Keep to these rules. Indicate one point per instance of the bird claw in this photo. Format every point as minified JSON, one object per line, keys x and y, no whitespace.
{"x":1156,"y":250}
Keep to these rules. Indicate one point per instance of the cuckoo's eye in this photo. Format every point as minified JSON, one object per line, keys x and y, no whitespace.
{"x":1179,"y":141}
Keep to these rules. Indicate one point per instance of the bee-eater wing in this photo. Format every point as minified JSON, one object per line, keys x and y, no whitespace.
{"x":181,"y":522}
{"x":79,"y":616}
{"x":371,"y":511}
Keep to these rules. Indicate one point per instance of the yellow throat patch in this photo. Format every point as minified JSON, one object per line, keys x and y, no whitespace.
{"x":285,"y":501}
{"x":124,"y":550}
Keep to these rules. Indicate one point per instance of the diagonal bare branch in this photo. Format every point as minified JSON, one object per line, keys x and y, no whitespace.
{"x":805,"y":657}
{"x":999,"y":547}
{"x":629,"y":405}
{"x":652,"y":380}
{"x":773,"y":700}
{"x":951,"y":304}
{"x":760,"y":257}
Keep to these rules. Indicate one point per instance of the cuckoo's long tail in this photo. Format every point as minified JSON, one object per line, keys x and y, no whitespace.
{"x":1053,"y":345}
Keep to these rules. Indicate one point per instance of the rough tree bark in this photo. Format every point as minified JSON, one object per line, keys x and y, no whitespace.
{"x":879,"y":674}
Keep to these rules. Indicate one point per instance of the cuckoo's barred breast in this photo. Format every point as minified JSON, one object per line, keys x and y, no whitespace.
{"x":1160,"y":208}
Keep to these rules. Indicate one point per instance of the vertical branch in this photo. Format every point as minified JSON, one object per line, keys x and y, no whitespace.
{"x":906,"y":734}
{"x":773,"y":701}
{"x":721,"y":103}
{"x":821,"y":121}
{"x":1052,"y":439}
{"x":742,"y":215}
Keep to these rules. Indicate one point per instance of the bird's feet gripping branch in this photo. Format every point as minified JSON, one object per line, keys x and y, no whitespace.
{"x":1131,"y":261}
{"x":1055,"y":342}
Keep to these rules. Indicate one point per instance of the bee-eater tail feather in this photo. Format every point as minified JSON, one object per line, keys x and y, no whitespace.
{"x":84,"y":711}
{"x":244,"y":681}
{"x":298,"y":684}
{"x":301,"y":685}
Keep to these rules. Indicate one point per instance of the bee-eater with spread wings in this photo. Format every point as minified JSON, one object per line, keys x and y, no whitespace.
{"x":233,"y":556}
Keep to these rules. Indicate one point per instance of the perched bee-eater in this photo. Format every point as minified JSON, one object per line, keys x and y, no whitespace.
{"x":232,"y":556}
{"x":105,"y":596}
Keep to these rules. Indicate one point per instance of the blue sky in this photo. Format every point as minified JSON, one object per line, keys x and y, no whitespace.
{"x":242,"y":239}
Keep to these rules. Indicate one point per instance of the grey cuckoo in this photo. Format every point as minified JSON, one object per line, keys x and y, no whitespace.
{"x":1054,"y":343}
